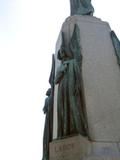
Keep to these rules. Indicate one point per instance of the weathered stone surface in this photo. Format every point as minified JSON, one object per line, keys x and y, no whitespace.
{"x":70,"y":148}
{"x":101,"y":76}
{"x":79,"y":148}
{"x":105,"y":151}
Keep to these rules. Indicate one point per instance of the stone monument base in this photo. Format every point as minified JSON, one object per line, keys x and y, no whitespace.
{"x":80,"y":148}
{"x":101,"y":77}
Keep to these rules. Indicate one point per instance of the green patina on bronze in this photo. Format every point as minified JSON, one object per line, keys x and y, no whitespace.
{"x":71,"y":106}
{"x":116,"y":44}
{"x":81,"y":7}
{"x":48,"y":110}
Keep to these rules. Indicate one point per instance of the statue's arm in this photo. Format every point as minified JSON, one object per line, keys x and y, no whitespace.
{"x":116,"y":44}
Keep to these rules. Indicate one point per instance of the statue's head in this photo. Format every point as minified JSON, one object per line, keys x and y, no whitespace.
{"x":48,"y":93}
{"x":62,"y":53}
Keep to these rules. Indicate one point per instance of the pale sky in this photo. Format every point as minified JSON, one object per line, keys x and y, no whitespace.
{"x":28,"y":33}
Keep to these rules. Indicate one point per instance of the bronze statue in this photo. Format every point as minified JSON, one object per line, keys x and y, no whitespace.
{"x":48,"y":110}
{"x":81,"y":7}
{"x":71,"y":107}
{"x":46,"y":137}
{"x":116,"y":44}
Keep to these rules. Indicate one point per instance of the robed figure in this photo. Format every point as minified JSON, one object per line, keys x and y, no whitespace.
{"x":70,"y":101}
{"x":48,"y":111}
{"x":81,"y":7}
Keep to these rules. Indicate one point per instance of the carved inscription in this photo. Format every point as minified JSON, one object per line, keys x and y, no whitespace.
{"x":64,"y":147}
{"x":69,"y":149}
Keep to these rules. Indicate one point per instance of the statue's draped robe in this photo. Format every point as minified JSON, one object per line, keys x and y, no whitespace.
{"x":46,"y":136}
{"x":71,"y":104}
{"x":71,"y":115}
{"x":70,"y":101}
{"x":48,"y":110}
{"x":81,"y":7}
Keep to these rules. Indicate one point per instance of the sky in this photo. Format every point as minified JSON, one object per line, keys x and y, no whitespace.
{"x":28,"y":33}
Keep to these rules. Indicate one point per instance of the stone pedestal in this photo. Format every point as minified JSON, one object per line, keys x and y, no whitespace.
{"x":80,"y":148}
{"x":101,"y":77}
{"x":72,"y":148}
